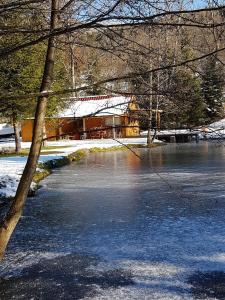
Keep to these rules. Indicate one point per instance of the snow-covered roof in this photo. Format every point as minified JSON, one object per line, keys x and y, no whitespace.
{"x":97,"y":106}
{"x":6,"y":129}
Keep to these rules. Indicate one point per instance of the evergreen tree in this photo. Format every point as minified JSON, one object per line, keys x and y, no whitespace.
{"x":196,"y":114}
{"x":212,"y":89}
{"x":20,"y":74}
{"x":187,"y":100}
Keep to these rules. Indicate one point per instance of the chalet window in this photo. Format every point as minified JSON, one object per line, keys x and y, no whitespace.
{"x":109,"y":121}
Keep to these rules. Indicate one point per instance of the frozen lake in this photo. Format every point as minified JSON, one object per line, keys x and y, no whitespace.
{"x":114,"y":226}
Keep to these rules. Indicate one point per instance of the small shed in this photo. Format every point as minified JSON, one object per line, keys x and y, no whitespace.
{"x":91,"y":117}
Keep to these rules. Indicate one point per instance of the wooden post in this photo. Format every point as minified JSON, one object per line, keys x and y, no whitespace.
{"x":114,"y":130}
{"x":84,"y":129}
{"x":158,"y":124}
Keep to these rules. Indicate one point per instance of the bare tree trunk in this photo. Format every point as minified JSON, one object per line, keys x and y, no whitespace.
{"x":149,"y":136}
{"x":44,"y":141}
{"x":11,"y":219}
{"x":157,"y":106}
{"x":17,"y":135}
{"x":72,"y":62}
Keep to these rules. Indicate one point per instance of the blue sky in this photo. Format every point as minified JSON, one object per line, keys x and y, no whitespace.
{"x":202,"y":3}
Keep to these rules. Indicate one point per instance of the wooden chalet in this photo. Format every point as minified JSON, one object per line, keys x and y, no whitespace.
{"x":92,"y":117}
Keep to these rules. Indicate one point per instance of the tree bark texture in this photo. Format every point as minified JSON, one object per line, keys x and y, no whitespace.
{"x":44,"y":141}
{"x":17,"y":135}
{"x":12,"y":217}
{"x":149,"y":135}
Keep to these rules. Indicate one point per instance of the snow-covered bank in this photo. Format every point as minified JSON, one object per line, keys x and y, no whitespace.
{"x":11,"y":167}
{"x":167,"y":131}
{"x":215,"y":130}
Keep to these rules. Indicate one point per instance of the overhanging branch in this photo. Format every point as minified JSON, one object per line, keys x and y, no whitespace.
{"x":114,"y":79}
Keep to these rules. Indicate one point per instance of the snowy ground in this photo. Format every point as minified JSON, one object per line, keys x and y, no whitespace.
{"x":12,"y":167}
{"x":215,"y":130}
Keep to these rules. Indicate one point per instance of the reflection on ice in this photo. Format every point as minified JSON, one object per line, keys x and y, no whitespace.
{"x":150,"y":224}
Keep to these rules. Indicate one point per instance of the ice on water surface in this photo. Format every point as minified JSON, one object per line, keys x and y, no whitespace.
{"x":117,"y":227}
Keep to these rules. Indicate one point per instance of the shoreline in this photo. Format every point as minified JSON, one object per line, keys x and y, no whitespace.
{"x":47,"y":163}
{"x":47,"y":167}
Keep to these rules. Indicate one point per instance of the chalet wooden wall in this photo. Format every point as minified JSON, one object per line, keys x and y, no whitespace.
{"x":73,"y":128}
{"x":26,"y":130}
